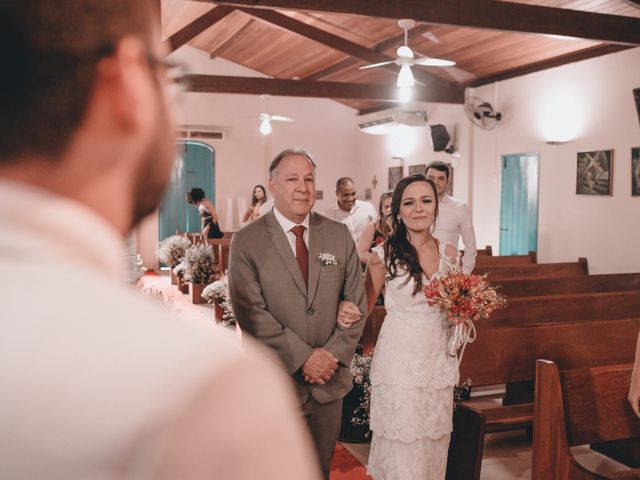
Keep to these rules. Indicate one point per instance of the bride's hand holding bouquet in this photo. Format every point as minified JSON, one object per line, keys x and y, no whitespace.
{"x":465,"y":299}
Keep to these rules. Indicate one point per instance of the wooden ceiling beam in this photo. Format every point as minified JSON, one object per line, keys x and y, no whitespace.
{"x":379,"y":47}
{"x":305,"y":88}
{"x":489,"y":14}
{"x":635,"y":3}
{"x":550,"y":63}
{"x":228,"y":42}
{"x":199,"y":25}
{"x":429,"y":80}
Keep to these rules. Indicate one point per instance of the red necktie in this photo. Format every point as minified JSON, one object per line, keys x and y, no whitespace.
{"x":302,"y":255}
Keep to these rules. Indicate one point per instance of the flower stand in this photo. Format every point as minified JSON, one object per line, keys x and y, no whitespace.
{"x":195,"y":292}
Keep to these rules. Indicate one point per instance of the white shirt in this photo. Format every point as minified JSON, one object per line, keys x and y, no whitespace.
{"x":97,"y":381}
{"x":453,"y":222}
{"x":287,"y":225}
{"x":356,"y":220}
{"x":266,"y":206}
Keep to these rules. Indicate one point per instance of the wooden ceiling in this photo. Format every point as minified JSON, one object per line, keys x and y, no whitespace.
{"x":314,"y":47}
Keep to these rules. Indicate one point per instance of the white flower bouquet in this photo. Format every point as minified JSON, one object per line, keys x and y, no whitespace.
{"x":171,"y":250}
{"x":198,"y":260}
{"x":218,"y":294}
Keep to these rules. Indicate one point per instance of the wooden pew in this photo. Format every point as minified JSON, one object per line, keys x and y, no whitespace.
{"x":508,"y":354}
{"x":578,"y":307}
{"x":578,"y":407}
{"x":539,"y":270}
{"x":486,"y":261}
{"x":565,"y":285}
{"x":221,"y":251}
{"x":481,"y":252}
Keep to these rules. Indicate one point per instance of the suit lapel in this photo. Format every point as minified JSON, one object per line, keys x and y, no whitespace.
{"x":280,"y":241}
{"x":315,"y":249}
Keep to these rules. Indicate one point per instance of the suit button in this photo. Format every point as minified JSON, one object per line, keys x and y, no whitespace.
{"x":311,"y":311}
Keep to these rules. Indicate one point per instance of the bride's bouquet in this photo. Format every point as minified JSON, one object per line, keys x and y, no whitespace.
{"x":465,"y":299}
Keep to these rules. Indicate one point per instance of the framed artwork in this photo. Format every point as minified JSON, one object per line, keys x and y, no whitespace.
{"x":413,"y":169}
{"x":367,"y":194}
{"x":636,"y":97}
{"x":395,"y":175}
{"x":635,"y":172}
{"x":319,"y":194}
{"x":594,"y":172}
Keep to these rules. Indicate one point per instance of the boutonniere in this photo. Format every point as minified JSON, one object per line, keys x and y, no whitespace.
{"x":327,"y":260}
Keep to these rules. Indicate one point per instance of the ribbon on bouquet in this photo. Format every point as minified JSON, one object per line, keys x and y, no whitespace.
{"x":463,"y":333}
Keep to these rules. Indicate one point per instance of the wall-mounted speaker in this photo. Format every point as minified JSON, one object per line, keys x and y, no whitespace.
{"x":439,"y":137}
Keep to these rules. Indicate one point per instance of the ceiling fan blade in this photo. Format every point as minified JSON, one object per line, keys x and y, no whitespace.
{"x":364,"y":67}
{"x":405,"y":77}
{"x":264,"y":116}
{"x":280,"y":118}
{"x":434,"y":62}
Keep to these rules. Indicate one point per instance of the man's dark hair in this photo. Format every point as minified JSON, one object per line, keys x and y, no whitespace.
{"x":342,"y":182}
{"x":443,"y":167}
{"x":49,"y":52}
{"x":289,"y":151}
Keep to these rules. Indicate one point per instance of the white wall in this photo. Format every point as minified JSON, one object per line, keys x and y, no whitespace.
{"x":590,"y":102}
{"x":324,"y":127}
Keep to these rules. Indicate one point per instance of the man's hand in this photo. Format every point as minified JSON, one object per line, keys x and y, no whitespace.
{"x":348,"y":314}
{"x":319,"y":367}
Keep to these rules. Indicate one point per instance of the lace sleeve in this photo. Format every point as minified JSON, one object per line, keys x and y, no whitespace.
{"x":379,"y":250}
{"x":451,"y":255}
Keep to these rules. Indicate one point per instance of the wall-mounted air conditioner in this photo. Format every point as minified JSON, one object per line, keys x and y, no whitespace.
{"x":201,"y":132}
{"x":385,"y":121}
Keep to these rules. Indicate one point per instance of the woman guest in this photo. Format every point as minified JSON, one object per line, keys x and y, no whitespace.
{"x":376,"y":233}
{"x":258,"y":198}
{"x":412,"y":375}
{"x":208,"y":214}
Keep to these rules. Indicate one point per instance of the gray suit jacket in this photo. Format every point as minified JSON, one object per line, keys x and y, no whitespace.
{"x":272,"y":303}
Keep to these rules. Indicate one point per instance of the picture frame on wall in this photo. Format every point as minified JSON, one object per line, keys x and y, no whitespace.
{"x":450,"y":184}
{"x":395,"y":175}
{"x":636,"y":97}
{"x":413,"y":169}
{"x":635,"y":172}
{"x":594,"y":173}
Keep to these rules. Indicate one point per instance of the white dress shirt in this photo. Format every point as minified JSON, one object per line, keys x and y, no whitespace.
{"x":287,"y":225}
{"x":100,"y":382}
{"x":356,"y":220}
{"x":454,"y":222}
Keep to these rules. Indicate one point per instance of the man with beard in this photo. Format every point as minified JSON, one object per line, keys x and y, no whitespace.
{"x":96,"y":381}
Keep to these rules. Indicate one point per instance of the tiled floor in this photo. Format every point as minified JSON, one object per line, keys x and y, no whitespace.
{"x":507,"y":456}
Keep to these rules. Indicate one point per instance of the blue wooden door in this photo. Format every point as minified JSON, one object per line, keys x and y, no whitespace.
{"x":194,"y":167}
{"x":519,"y":204}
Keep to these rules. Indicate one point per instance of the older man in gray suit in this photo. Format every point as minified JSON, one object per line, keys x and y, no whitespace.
{"x":296,"y":285}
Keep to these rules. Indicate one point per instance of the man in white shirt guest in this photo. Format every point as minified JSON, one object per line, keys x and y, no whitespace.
{"x":355,"y":214}
{"x":453,"y":219}
{"x":97,"y":381}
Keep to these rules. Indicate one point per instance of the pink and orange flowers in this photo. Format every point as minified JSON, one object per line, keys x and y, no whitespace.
{"x":464,"y":297}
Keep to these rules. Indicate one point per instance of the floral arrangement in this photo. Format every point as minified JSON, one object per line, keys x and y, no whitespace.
{"x":198,"y":260}
{"x":465,"y":299}
{"x":327,"y":260}
{"x":180,"y":269}
{"x":218,"y":294}
{"x":360,"y":365}
{"x":171,"y":250}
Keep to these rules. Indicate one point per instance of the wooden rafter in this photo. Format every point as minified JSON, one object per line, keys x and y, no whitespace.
{"x":199,"y":25}
{"x":305,"y":88}
{"x":379,"y":47}
{"x":440,"y":86}
{"x":635,"y":3}
{"x":550,"y":63}
{"x":233,"y":36}
{"x":489,"y":14}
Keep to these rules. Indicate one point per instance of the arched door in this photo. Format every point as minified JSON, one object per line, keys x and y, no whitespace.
{"x":194,"y":167}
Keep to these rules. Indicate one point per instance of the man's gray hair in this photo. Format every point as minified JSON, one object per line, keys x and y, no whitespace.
{"x":289,"y":151}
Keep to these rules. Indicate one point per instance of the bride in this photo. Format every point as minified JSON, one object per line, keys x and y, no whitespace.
{"x":412,"y":375}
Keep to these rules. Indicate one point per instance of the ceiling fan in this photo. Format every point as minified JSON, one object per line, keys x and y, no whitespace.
{"x":266,"y":119}
{"x":405,"y":58}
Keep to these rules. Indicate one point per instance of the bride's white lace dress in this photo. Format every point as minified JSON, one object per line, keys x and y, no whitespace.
{"x":412,"y":379}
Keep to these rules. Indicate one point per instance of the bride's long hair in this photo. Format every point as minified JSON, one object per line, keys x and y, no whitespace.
{"x":398,"y":251}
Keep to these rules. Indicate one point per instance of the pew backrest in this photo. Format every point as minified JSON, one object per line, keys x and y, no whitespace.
{"x":538,"y":270}
{"x":567,"y":285}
